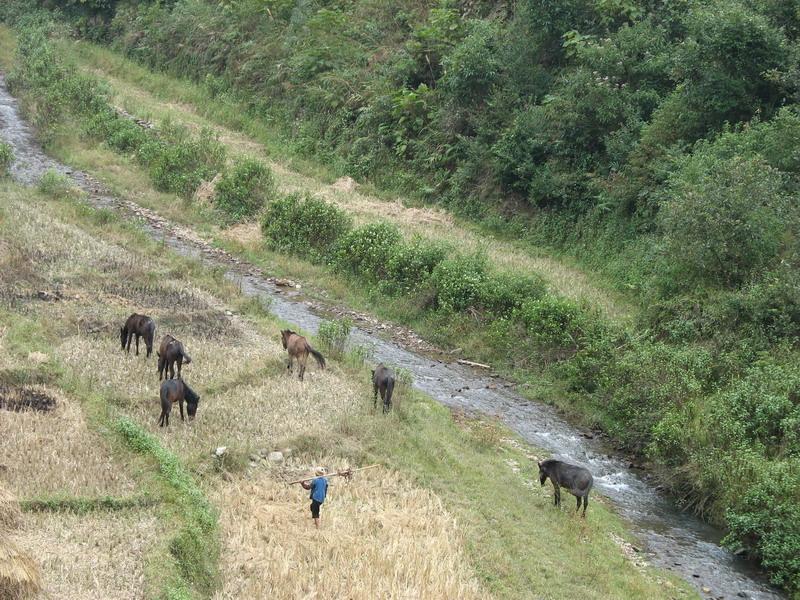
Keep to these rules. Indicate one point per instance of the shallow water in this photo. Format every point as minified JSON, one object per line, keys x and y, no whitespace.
{"x":671,"y":539}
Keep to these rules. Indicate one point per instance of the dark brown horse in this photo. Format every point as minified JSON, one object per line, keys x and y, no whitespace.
{"x":383,"y":382}
{"x":138,"y":326}
{"x":170,"y":352}
{"x":298,"y":348}
{"x":175,"y":390}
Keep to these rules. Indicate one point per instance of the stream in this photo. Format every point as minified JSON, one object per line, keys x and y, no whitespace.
{"x":671,"y":539}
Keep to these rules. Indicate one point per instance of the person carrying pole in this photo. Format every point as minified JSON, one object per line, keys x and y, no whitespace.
{"x":319,"y":489}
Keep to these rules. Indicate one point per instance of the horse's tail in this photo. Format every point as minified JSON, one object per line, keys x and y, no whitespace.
{"x":317,"y":355}
{"x":389,"y":391}
{"x":186,"y":358}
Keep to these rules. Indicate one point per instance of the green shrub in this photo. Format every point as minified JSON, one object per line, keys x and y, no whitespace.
{"x":502,"y":293}
{"x":178,"y":163}
{"x":552,"y":322}
{"x":304,"y":225}
{"x":54,"y":184}
{"x":458,"y":282}
{"x":724,"y":220}
{"x":764,"y":519}
{"x":333,"y":335}
{"x":245,"y":189}
{"x":6,"y":158}
{"x":645,"y":382}
{"x":367,"y":250}
{"x":123,"y":135}
{"x":410,"y":266}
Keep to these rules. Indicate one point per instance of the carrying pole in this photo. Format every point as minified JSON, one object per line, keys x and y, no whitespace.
{"x":345,"y":473}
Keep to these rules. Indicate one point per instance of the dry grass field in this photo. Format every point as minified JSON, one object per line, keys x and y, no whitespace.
{"x":449,"y":515}
{"x":247,"y":402}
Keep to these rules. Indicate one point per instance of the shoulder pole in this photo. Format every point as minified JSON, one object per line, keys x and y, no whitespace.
{"x":345,"y":473}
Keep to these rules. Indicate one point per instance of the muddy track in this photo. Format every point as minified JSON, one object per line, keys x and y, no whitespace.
{"x":671,"y":539}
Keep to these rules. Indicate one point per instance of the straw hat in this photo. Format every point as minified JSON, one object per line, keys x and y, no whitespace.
{"x":319,"y":471}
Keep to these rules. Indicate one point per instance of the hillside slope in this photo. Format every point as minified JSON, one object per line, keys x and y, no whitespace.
{"x":633,"y":136}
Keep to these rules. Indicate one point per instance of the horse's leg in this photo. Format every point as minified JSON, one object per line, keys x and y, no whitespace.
{"x":137,"y":344}
{"x":578,"y":498}
{"x":289,"y":365}
{"x":556,"y":495}
{"x":180,"y":405}
{"x":374,"y":396}
{"x":128,"y":339}
{"x":161,"y":419}
{"x":161,"y":366}
{"x":585,"y":504}
{"x":172,"y":369}
{"x":180,"y":363}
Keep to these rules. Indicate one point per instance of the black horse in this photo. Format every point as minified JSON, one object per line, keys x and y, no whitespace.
{"x":576,"y":479}
{"x":175,"y":390}
{"x":138,"y":326}
{"x":170,"y":352}
{"x":383,"y":382}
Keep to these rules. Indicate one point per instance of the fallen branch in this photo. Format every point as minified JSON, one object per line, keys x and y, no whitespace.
{"x":469,"y":363}
{"x":345,"y":473}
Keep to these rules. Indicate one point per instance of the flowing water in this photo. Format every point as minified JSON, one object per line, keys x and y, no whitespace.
{"x":671,"y":539}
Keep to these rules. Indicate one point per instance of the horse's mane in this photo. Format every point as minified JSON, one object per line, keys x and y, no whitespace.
{"x":190,"y":394}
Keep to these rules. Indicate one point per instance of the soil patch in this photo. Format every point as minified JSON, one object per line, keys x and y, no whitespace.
{"x":18,"y":399}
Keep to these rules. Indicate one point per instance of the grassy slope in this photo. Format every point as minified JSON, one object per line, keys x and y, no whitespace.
{"x":513,"y":541}
{"x":158,"y":98}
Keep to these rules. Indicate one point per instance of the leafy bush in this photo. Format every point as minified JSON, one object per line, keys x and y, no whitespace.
{"x":646,"y":381}
{"x":54,"y":184}
{"x":724,"y":220}
{"x":765,"y":520}
{"x":333,"y":334}
{"x":6,"y":158}
{"x":245,"y":189}
{"x":459,"y":281}
{"x":502,"y":293}
{"x":367,"y":250}
{"x":411,"y":264}
{"x":304,"y":225}
{"x":178,"y":163}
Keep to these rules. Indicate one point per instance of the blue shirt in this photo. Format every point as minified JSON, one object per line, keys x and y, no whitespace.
{"x":319,"y":487}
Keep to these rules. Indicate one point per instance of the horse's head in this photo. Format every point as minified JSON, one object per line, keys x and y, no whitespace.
{"x":542,"y":473}
{"x":192,"y":400}
{"x":122,"y":337}
{"x":191,"y":408}
{"x":285,"y":336}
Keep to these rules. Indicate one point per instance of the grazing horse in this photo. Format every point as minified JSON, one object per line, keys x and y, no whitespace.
{"x":175,"y":390}
{"x":138,"y":326}
{"x":383,"y":381}
{"x":576,"y":479}
{"x":170,"y":352}
{"x":298,"y":348}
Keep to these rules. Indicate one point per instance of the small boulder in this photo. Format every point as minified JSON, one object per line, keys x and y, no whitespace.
{"x":275,"y":457}
{"x":220,"y":451}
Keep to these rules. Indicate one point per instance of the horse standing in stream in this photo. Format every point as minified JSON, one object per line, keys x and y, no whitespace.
{"x":576,"y":479}
{"x":298,"y":348}
{"x":138,"y":326}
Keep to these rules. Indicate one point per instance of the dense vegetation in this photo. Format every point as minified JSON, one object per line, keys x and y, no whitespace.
{"x":655,"y":141}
